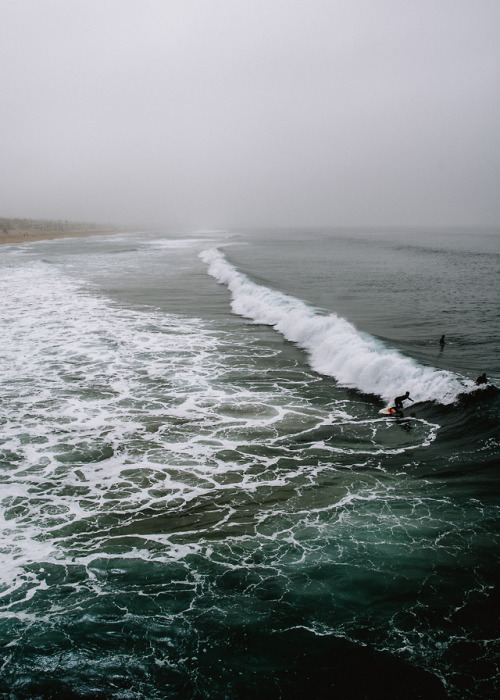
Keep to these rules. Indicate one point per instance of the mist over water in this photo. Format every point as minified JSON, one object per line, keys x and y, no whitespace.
{"x":259,"y":113}
{"x":199,"y":496}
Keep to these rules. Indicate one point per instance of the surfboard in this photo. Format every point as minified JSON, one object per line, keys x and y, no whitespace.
{"x":389,"y":411}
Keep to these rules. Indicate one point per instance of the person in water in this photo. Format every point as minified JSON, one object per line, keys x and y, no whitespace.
{"x":482,"y":379}
{"x":442,"y":341}
{"x":398,"y":401}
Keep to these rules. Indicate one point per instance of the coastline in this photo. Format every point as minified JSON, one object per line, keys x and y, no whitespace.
{"x":28,"y":235}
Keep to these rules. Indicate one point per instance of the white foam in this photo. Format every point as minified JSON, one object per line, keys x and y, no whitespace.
{"x":82,"y":376}
{"x":174,"y":243}
{"x":107,"y":409}
{"x":335,"y":347}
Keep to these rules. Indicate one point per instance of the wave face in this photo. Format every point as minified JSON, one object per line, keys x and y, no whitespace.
{"x":334,"y":346}
{"x":187,"y":509}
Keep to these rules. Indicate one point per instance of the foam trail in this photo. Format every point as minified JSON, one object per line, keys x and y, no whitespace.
{"x":334,"y":346}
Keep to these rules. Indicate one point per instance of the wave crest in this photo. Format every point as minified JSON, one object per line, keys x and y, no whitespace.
{"x":334,"y":346}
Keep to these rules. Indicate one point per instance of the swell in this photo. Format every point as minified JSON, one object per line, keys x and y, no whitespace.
{"x":334,"y":346}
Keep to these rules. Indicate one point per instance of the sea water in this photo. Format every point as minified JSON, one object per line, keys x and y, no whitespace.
{"x":199,"y":497}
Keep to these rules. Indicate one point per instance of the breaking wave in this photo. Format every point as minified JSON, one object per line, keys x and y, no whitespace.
{"x":334,"y":346}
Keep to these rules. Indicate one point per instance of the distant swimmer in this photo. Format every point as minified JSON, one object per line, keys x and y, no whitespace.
{"x":442,"y":341}
{"x":482,"y":379}
{"x":398,"y":401}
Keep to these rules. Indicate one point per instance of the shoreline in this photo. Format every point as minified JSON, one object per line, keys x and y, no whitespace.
{"x":29,"y":235}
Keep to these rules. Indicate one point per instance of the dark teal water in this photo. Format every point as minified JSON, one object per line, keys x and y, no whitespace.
{"x":199,"y":497}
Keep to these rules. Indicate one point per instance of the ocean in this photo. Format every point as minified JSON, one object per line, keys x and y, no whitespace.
{"x":199,"y":497}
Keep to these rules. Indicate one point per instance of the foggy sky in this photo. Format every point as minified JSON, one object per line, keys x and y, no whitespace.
{"x":216,"y":113}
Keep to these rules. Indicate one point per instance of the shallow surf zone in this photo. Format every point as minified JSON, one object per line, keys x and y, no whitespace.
{"x":334,"y":346}
{"x":95,"y":399}
{"x":108,"y":410}
{"x":188,"y":510}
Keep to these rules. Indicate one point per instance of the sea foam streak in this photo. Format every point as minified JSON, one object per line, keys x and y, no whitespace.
{"x":87,"y":389}
{"x":334,"y":346}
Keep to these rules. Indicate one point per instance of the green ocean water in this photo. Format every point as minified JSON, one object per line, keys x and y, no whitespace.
{"x":199,"y":497}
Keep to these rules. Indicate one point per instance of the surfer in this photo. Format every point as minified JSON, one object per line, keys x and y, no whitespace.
{"x":398,"y":401}
{"x":442,"y":341}
{"x":482,"y":379}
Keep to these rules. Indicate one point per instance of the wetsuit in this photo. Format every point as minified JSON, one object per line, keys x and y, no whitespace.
{"x":398,"y":401}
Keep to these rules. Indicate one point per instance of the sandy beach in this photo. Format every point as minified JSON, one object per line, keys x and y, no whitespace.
{"x":26,"y":235}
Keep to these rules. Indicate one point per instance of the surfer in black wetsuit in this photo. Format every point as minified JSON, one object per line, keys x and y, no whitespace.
{"x":442,"y":342}
{"x":398,"y":401}
{"x":482,"y":379}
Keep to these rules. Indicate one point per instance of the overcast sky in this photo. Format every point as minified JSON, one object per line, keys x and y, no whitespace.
{"x":220,"y":113}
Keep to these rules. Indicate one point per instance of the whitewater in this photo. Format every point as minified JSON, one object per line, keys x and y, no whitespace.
{"x":198,"y":495}
{"x":334,"y":346}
